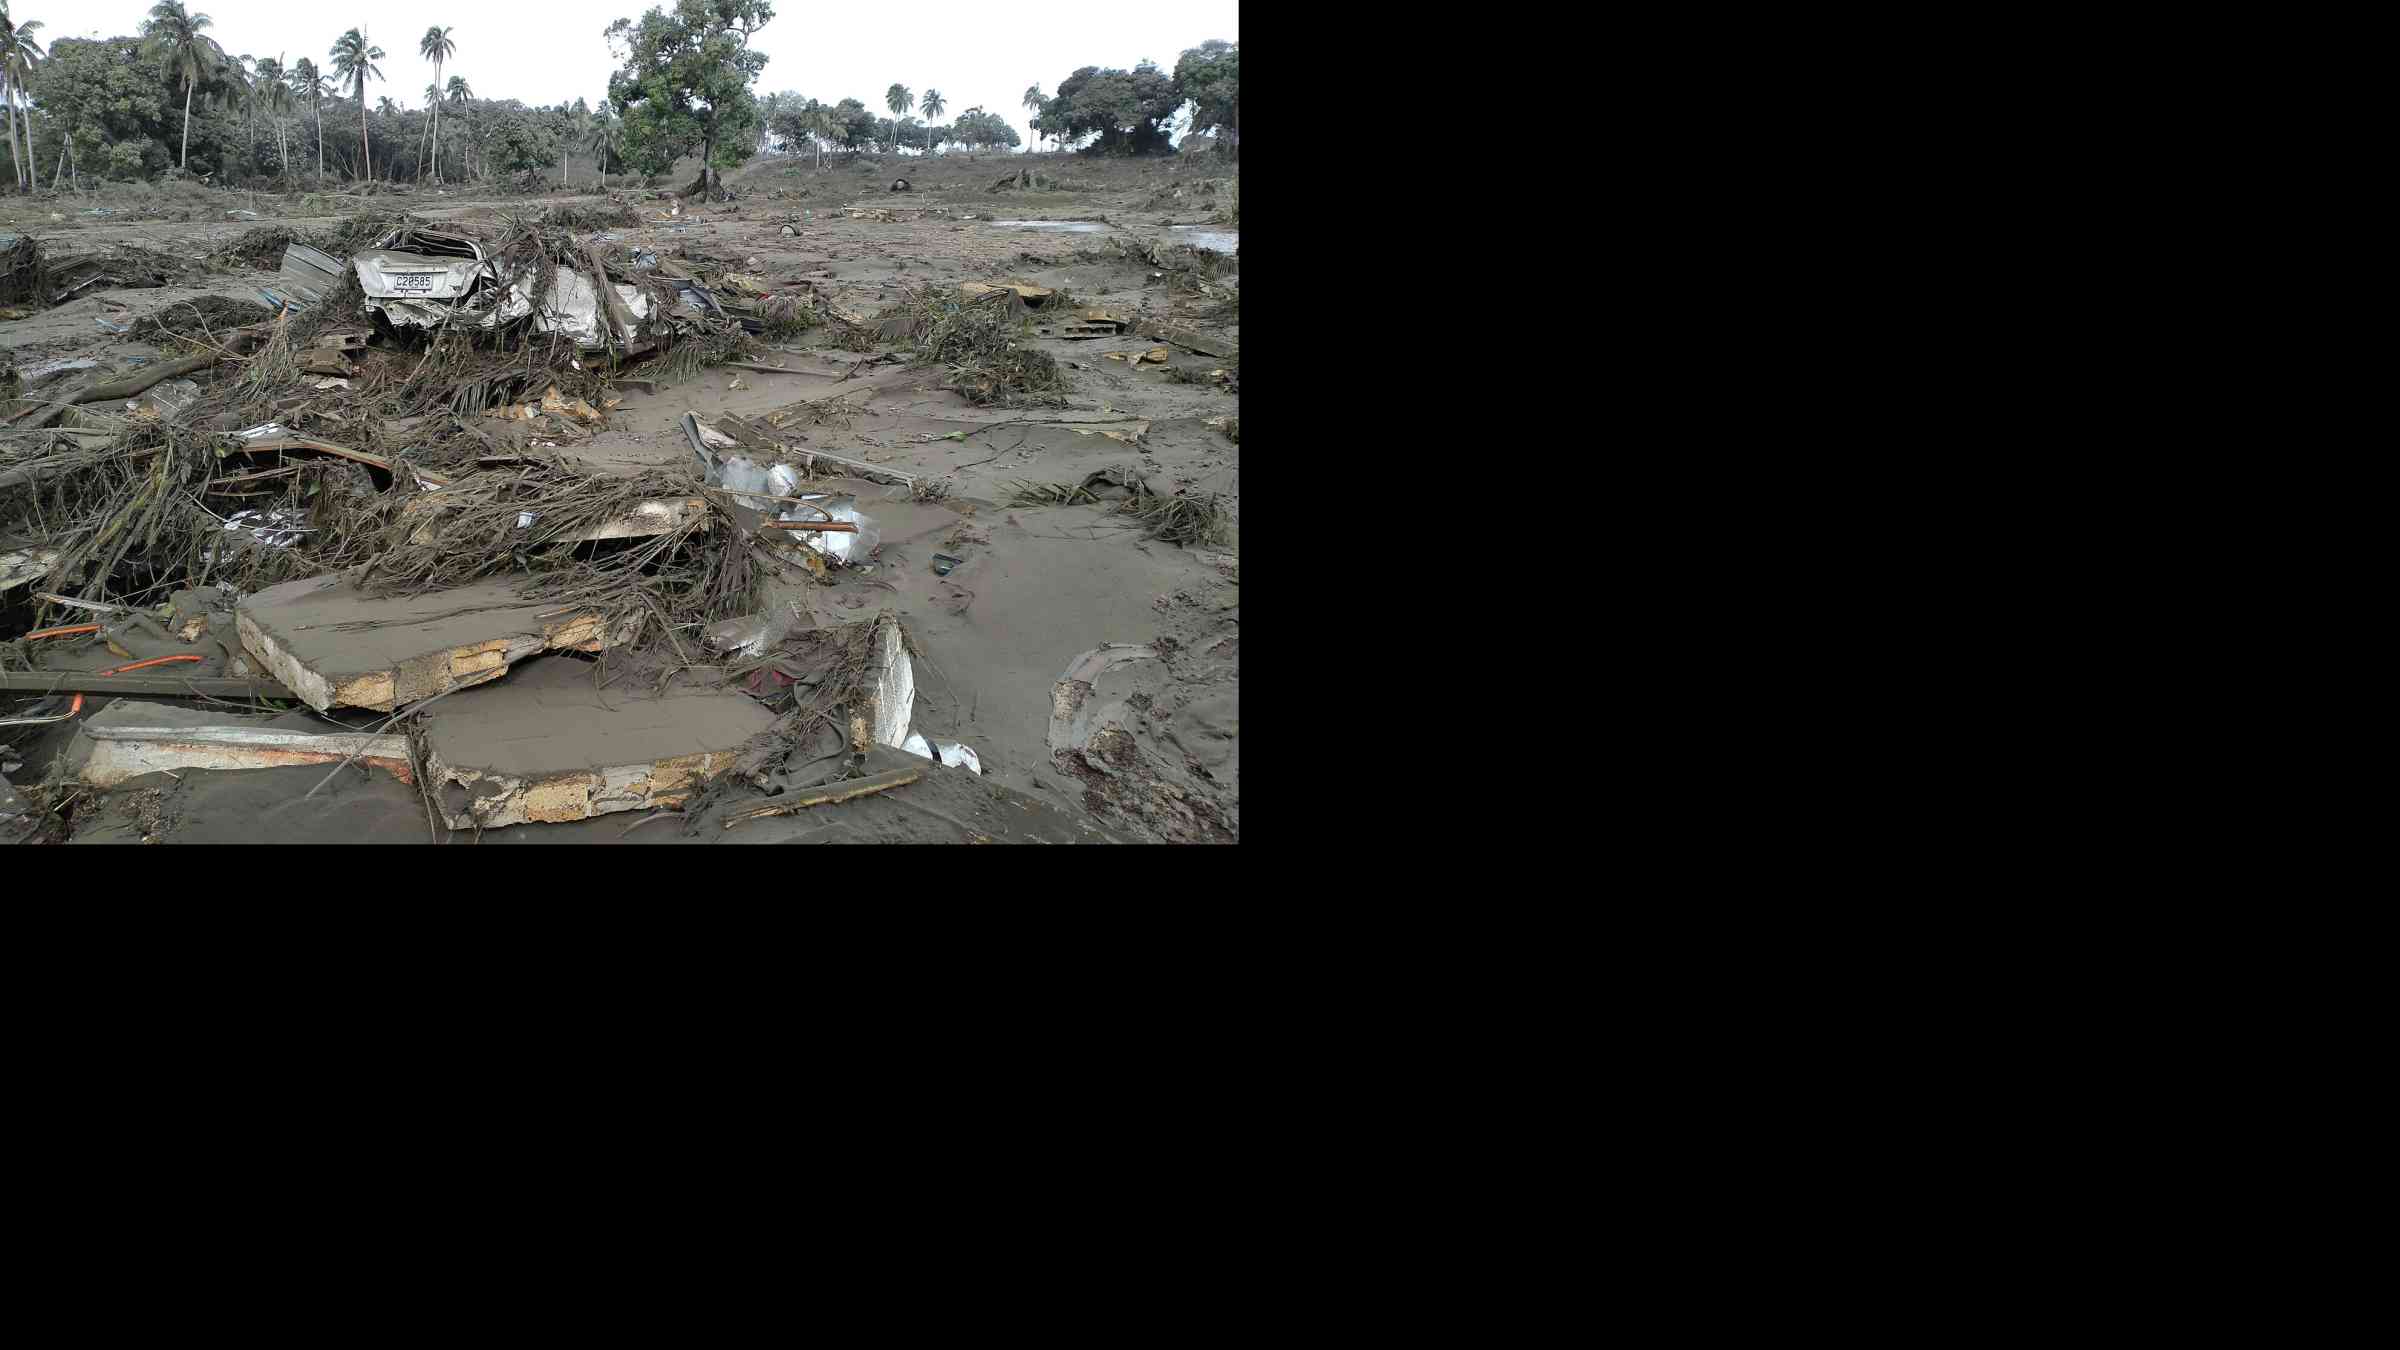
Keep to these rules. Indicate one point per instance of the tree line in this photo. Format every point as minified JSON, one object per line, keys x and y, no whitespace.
{"x":170,"y":101}
{"x":1133,"y":112}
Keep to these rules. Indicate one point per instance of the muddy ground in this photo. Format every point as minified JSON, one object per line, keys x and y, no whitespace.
{"x":1036,"y":587}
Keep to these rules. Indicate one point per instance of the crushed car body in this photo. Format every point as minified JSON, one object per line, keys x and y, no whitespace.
{"x":420,"y":278}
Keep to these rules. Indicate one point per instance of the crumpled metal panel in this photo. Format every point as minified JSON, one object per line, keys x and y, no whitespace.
{"x":308,"y":273}
{"x":573,"y":306}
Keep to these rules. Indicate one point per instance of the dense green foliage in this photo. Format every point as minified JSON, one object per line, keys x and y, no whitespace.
{"x":685,"y":83}
{"x":1129,"y":112}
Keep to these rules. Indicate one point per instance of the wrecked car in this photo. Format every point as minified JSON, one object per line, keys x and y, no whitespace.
{"x":419,"y":278}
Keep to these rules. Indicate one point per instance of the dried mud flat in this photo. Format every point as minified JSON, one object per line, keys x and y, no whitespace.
{"x":1004,"y":592}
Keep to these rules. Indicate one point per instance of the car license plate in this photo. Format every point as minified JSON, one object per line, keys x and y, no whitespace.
{"x":414,"y":283}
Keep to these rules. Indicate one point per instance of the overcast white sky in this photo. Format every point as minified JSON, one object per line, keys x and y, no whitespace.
{"x":548,"y":51}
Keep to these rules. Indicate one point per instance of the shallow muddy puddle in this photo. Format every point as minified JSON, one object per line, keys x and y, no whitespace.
{"x":1062,"y":226}
{"x":1223,"y":241}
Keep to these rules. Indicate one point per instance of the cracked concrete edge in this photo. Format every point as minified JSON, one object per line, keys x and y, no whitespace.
{"x":435,"y":672}
{"x":494,"y":800}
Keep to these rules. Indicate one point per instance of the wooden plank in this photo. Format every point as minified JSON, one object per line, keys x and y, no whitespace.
{"x":807,"y":458}
{"x":85,"y":682}
{"x":345,"y":452}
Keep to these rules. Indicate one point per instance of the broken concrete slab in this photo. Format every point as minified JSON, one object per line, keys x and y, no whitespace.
{"x":334,"y":645}
{"x":889,"y":698}
{"x":1189,"y":339}
{"x":549,"y":745}
{"x":126,"y":740}
{"x":1032,"y":295}
{"x":254,"y":806}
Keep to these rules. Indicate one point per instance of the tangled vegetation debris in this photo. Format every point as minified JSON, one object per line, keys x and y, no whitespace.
{"x":581,"y":216}
{"x":536,"y":521}
{"x":202,"y":319}
{"x":990,"y":359}
{"x":1022,"y":492}
{"x":262,"y":246}
{"x":1181,"y":519}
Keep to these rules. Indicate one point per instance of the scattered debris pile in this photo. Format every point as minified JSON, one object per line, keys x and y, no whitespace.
{"x":1176,"y":518}
{"x":20,"y":270}
{"x":335,"y":531}
{"x":201,"y":320}
{"x":988,"y":352}
{"x":582,"y":218}
{"x":119,"y":266}
{"x":262,"y":246}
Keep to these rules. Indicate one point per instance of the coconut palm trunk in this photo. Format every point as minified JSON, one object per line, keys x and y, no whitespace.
{"x":187,"y":127}
{"x":16,"y":161}
{"x":437,"y":124}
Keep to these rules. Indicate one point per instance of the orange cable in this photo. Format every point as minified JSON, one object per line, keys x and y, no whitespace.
{"x":153,"y":661}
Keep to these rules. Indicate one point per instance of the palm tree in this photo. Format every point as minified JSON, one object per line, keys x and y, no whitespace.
{"x":242,"y":93}
{"x":605,"y":134}
{"x":830,"y":131}
{"x":433,"y":101}
{"x":933,"y":105}
{"x":170,"y":29}
{"x":436,"y":46}
{"x":354,"y":60}
{"x":19,"y":53}
{"x":309,"y":81}
{"x":1032,"y":102}
{"x":457,"y":92}
{"x":899,"y":100}
{"x":570,"y":131}
{"x":274,"y":85}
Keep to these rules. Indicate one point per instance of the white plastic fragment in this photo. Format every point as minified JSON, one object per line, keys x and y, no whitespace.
{"x":842,"y":548}
{"x":952,"y":753}
{"x":275,"y":529}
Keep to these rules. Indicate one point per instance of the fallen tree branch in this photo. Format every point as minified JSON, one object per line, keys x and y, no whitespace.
{"x":144,"y":378}
{"x":806,"y":458}
{"x":863,"y":787}
{"x":345,"y":452}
